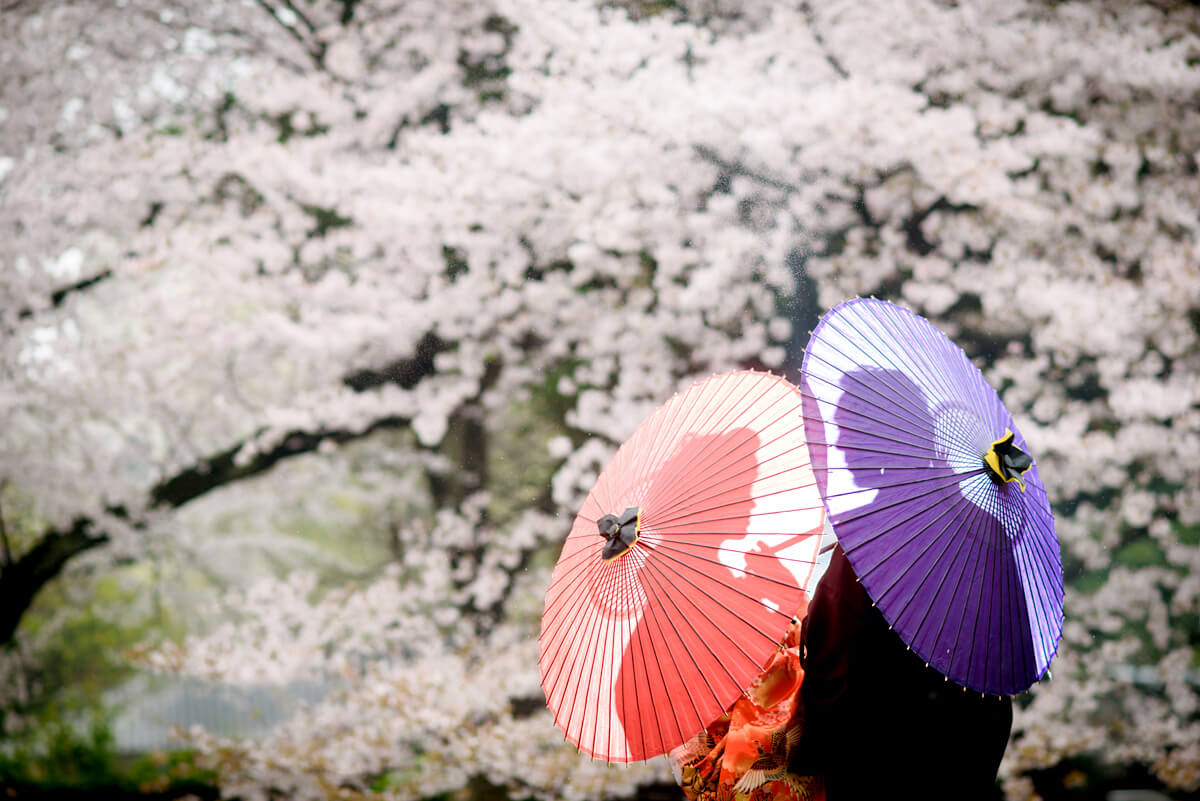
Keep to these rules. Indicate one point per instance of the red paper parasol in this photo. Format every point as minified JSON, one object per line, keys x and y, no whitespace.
{"x":682,"y":570}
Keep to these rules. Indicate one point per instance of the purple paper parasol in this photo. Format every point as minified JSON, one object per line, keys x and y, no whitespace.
{"x":933,"y":496}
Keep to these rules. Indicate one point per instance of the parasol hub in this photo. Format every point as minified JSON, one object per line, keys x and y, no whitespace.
{"x":1006,"y":462}
{"x":619,"y":532}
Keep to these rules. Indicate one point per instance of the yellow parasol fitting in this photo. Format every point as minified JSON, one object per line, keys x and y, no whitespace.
{"x":1006,"y":462}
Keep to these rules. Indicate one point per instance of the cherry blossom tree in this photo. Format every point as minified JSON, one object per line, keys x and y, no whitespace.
{"x":243,"y":236}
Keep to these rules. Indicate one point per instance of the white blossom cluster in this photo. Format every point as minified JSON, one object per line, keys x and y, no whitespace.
{"x":285,"y":314}
{"x":211,"y":217}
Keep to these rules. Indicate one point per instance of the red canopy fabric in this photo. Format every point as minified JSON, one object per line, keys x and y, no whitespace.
{"x":639,"y":652}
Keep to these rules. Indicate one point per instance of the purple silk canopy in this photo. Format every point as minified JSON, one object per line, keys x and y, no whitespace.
{"x":933,"y":497}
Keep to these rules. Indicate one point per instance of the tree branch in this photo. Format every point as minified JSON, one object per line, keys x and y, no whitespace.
{"x":21,"y":580}
{"x":8,"y":557}
{"x":811,"y":17}
{"x":316,"y":48}
{"x":59,"y":295}
{"x":406,"y":373}
{"x":62,"y":293}
{"x":222,"y":468}
{"x":737,"y":168}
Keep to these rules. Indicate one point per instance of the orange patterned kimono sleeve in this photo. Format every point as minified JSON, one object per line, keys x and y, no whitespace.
{"x":743,"y":755}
